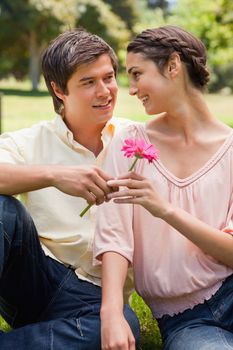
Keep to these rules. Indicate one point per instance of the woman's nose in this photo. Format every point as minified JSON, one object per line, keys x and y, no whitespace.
{"x":132,"y":89}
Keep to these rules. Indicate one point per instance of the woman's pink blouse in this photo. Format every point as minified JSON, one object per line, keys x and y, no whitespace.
{"x":171,"y":273}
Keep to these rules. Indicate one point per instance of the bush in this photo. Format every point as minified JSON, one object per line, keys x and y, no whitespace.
{"x":3,"y":325}
{"x":150,"y":334}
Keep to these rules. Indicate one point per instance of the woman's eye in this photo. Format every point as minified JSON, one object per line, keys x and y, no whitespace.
{"x":136,"y":75}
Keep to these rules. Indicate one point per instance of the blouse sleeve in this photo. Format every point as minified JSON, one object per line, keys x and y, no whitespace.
{"x":229,"y":219}
{"x":229,"y":222}
{"x":114,"y":221}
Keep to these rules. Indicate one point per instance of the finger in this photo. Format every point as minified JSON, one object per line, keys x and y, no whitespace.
{"x":131,"y":175}
{"x":114,"y":189}
{"x":126,"y":193}
{"x":90,"y":197}
{"x":132,"y":345}
{"x":103,"y":185}
{"x":103,"y":174}
{"x":130,"y":183}
{"x":97,"y":193}
{"x":128,"y":200}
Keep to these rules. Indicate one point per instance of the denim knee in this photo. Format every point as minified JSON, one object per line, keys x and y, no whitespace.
{"x":13,"y":216}
{"x":9,"y":204}
{"x":16,"y":226}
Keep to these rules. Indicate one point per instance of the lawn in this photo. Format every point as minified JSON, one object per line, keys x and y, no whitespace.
{"x":22,"y":108}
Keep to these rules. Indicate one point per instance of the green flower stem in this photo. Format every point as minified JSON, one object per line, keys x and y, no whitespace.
{"x":85,"y":210}
{"x":134,"y":162}
{"x":90,"y":205}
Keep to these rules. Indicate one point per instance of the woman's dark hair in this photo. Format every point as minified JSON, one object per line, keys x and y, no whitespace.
{"x":66,"y":53}
{"x":160,"y":43}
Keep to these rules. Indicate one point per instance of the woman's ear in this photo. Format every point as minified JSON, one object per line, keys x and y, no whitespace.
{"x":174,"y":65}
{"x":57,"y":90}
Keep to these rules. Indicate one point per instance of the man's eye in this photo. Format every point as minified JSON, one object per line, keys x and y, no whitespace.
{"x":109,"y":78}
{"x":89,"y":82}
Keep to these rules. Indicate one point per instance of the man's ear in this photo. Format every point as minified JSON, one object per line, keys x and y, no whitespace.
{"x":174,"y":65}
{"x":57,"y":90}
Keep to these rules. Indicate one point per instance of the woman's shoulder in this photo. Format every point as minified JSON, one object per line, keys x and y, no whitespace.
{"x":131,"y":130}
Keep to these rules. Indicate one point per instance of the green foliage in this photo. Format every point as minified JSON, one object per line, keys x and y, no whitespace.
{"x":163,"y":4}
{"x":212,"y":22}
{"x":150,"y":335}
{"x":3,"y":325}
{"x":149,"y":17}
{"x":126,"y":10}
{"x":26,"y":29}
{"x":28,"y":25}
{"x":106,"y":24}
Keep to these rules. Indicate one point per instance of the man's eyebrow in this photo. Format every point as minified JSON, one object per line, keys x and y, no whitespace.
{"x":86,"y":78}
{"x":93,"y":77}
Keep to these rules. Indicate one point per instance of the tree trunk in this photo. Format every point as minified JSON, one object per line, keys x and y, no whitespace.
{"x":34,"y":61}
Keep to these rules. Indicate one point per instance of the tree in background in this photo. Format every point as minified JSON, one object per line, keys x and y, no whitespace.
{"x":212,"y":22}
{"x":25,"y":31}
{"x":163,"y":4}
{"x":28,"y":25}
{"x":150,"y":17}
{"x":107,"y":24}
{"x":127,"y":10}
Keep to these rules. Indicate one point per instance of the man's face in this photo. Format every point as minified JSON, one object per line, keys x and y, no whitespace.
{"x":92,"y":92}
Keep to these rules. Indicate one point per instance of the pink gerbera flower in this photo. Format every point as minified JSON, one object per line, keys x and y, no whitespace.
{"x":139,"y":149}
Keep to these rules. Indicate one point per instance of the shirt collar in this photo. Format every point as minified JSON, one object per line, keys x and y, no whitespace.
{"x":66,"y":135}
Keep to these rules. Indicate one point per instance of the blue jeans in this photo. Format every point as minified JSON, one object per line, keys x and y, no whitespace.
{"x":208,"y":326}
{"x":45,"y":302}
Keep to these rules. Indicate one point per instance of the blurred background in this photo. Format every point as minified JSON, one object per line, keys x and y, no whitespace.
{"x":27,"y":26}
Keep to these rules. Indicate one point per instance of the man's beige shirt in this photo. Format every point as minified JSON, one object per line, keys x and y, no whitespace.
{"x":64,"y":235}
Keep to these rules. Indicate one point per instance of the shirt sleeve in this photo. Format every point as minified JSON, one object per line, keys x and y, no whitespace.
{"x":114,"y":221}
{"x":10,"y":151}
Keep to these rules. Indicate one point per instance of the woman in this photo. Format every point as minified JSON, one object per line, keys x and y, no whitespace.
{"x":174,"y":221}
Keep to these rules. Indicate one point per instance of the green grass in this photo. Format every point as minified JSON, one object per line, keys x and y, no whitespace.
{"x":150,"y":335}
{"x":3,"y":325}
{"x":22,"y":108}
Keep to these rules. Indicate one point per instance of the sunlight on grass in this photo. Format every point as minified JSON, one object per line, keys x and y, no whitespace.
{"x":150,"y":334}
{"x":22,"y":108}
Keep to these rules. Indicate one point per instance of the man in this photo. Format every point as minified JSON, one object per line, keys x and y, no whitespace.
{"x":51,"y":295}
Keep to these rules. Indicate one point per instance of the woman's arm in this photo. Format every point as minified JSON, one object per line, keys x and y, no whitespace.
{"x":139,"y":190}
{"x":115,"y":330}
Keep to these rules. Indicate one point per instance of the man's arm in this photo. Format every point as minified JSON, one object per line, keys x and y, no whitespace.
{"x":81,"y":181}
{"x":115,"y":330}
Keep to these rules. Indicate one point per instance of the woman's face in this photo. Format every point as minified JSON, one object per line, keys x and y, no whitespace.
{"x":147,"y":83}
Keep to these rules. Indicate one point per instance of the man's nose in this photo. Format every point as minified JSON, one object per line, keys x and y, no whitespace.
{"x":102,"y":89}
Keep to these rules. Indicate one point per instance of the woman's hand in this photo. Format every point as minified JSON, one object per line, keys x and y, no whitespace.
{"x":139,"y":190}
{"x":116,"y":334}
